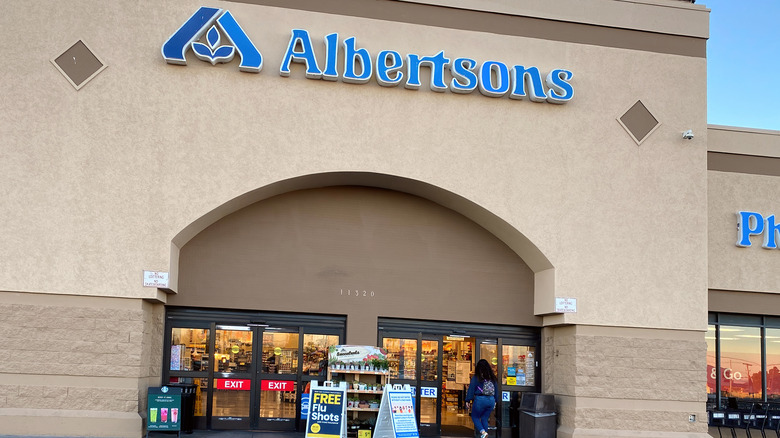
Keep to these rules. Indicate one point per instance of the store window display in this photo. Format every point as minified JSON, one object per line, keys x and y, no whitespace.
{"x":189,"y":349}
{"x":233,"y":350}
{"x":280,"y":352}
{"x":315,"y":353}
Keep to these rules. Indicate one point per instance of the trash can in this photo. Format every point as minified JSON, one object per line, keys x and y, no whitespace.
{"x":510,"y":414}
{"x":537,"y":416}
{"x":188,"y":391}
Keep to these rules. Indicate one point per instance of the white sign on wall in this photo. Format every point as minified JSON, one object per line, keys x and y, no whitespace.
{"x":565,"y":305}
{"x":156,"y":279}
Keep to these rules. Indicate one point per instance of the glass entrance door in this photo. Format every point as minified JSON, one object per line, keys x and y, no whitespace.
{"x":232,"y":393}
{"x":250,"y":369}
{"x":488,"y":350}
{"x":458,"y":360}
{"x":278,"y":379}
{"x":429,"y":386}
{"x":446,"y":355}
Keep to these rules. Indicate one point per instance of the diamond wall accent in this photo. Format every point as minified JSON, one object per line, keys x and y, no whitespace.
{"x":79,"y":64}
{"x":639,"y":122}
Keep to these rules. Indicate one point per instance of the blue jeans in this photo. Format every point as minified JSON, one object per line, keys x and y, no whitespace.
{"x":480,"y":411}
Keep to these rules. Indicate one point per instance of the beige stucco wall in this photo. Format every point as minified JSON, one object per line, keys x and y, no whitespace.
{"x":676,"y":17}
{"x":744,"y":188}
{"x":102,"y":183}
{"x":732,"y":267}
{"x":110,"y":174}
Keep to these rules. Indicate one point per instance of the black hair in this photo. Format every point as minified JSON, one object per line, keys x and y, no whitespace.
{"x":484,"y":371}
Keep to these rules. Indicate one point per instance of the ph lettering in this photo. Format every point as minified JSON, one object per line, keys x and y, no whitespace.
{"x":754,"y":224}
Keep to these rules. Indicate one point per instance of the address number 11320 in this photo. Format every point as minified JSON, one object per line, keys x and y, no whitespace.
{"x":357,"y":293}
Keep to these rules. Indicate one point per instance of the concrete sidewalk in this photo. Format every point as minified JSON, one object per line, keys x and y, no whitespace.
{"x":230,"y":434}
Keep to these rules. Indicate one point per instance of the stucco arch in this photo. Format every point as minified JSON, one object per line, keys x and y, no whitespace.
{"x":514,"y":239}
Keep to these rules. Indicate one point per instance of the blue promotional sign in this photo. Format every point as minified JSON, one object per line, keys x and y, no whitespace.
{"x":326,"y":419}
{"x":305,"y":406}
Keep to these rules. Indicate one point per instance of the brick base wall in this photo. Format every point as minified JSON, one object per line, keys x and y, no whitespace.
{"x":612,"y":381}
{"x":79,"y":362}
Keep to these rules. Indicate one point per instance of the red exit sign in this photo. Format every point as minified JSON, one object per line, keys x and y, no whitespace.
{"x":277,"y":385}
{"x":234,"y":384}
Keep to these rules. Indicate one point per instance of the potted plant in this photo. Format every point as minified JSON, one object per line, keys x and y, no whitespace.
{"x":381,"y":364}
{"x":374,"y":404}
{"x":368,"y":362}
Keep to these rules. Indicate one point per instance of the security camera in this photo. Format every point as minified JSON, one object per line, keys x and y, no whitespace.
{"x":688,"y":135}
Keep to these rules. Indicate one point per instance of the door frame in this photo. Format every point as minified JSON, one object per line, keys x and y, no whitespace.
{"x":277,"y":423}
{"x":211,"y":421}
{"x":304,"y":324}
{"x":432,"y":330}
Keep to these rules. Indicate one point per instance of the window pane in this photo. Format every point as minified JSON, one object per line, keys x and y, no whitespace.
{"x":233,"y":351}
{"x":488,"y":351}
{"x":428,"y":409}
{"x":430,"y":358}
{"x":315,"y":353}
{"x":280,"y":352}
{"x":402,"y":357}
{"x":189,"y":349}
{"x":773,"y":364}
{"x":230,"y":402}
{"x":519,"y":360}
{"x":741,"y":362}
{"x":277,"y":399}
{"x":711,"y":365}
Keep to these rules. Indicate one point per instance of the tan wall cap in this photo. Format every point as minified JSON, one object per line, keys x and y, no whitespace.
{"x":672,"y":17}
{"x":743,"y":141}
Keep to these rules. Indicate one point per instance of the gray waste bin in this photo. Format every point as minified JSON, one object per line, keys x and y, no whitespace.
{"x":537,"y":416}
{"x":513,"y":413}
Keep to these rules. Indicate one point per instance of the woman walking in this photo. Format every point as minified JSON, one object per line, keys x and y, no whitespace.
{"x":483,"y":390}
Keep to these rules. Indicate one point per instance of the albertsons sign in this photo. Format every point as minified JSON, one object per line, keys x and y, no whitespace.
{"x":388,"y":68}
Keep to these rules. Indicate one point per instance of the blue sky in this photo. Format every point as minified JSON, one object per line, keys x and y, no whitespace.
{"x":743,"y":58}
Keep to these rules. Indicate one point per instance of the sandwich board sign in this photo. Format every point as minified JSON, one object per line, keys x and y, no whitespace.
{"x":327,"y":410}
{"x":396,"y":414}
{"x":164,"y":408}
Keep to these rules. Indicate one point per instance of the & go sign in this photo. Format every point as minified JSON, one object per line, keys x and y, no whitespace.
{"x":728,"y":374}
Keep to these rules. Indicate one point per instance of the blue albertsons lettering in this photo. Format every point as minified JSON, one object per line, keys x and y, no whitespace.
{"x":753,"y":224}
{"x":493,"y":78}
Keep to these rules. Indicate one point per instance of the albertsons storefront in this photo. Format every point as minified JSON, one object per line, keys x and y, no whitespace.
{"x":215,"y":194}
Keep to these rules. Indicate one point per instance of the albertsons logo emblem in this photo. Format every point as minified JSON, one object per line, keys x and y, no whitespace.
{"x":214,"y":23}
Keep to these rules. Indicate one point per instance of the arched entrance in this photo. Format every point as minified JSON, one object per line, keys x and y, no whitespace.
{"x":352,"y":252}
